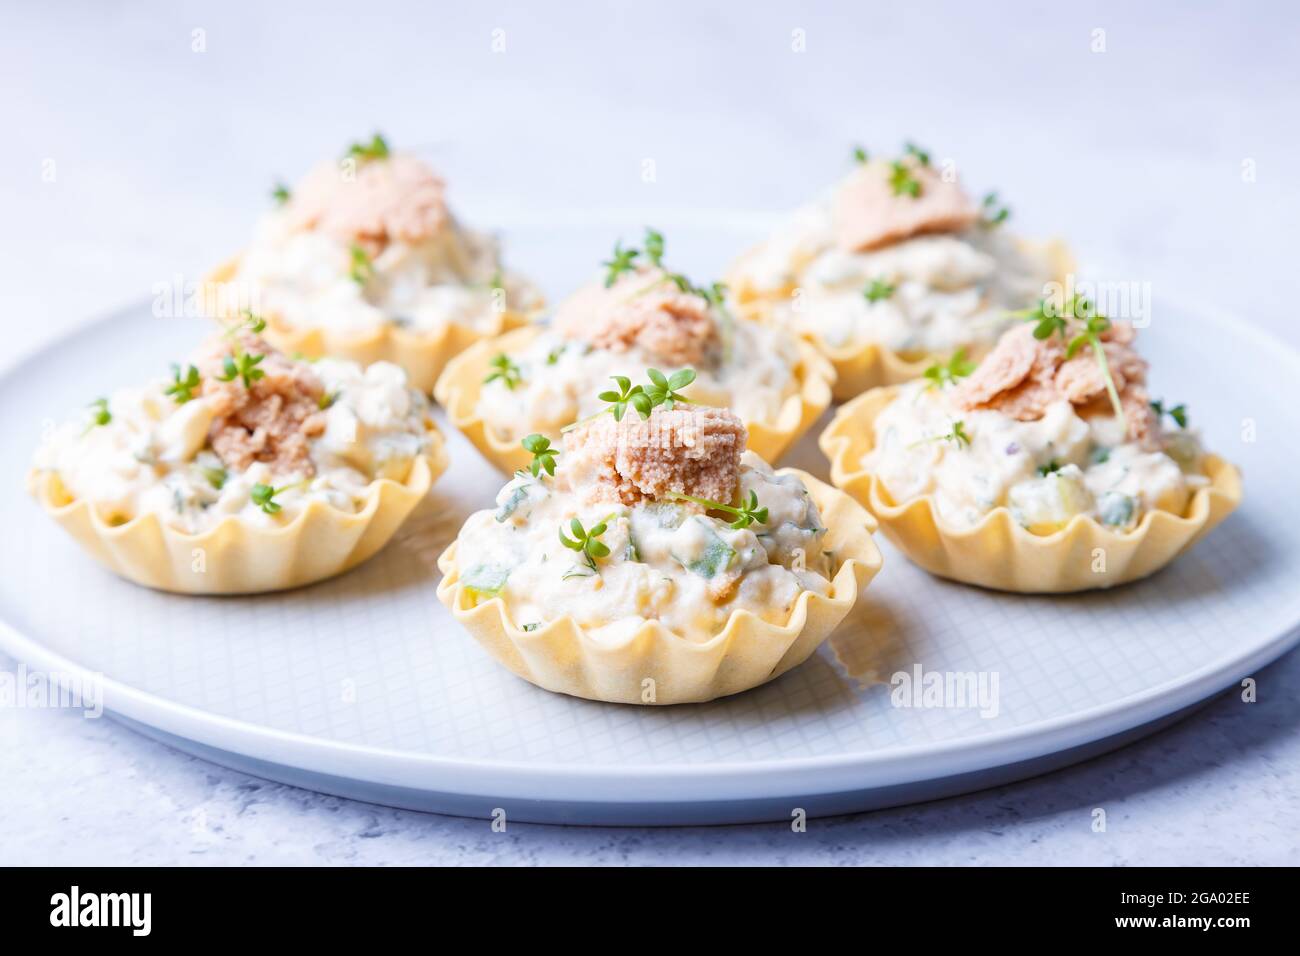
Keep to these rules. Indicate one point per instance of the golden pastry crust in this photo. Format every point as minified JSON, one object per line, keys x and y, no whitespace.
{"x":658,"y":666}
{"x":458,"y":390}
{"x":998,"y":553}
{"x":862,"y":366}
{"x":235,"y":557}
{"x":423,"y":356}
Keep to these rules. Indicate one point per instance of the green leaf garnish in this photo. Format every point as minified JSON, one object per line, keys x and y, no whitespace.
{"x":543,"y":454}
{"x":362,"y":269}
{"x":280,"y":194}
{"x":627,"y":394}
{"x":101,"y":415}
{"x":1049,"y":318}
{"x":264,"y":497}
{"x":1093,"y":328}
{"x":1053,"y":320}
{"x":623,"y":260}
{"x":183,"y":386}
{"x":745,"y":514}
{"x":663,"y":390}
{"x":243,"y":366}
{"x":327,"y":400}
{"x":377,"y":148}
{"x":902,"y":181}
{"x":216,"y":477}
{"x":1178,"y":413}
{"x":878,"y":290}
{"x":505,"y":371}
{"x":1051,"y":467}
{"x":587,"y":542}
{"x":253,"y":322}
{"x":860,"y":155}
{"x":920,"y":155}
{"x":994,"y":213}
{"x":654,"y":246}
{"x":957,"y":435}
{"x":941,"y":374}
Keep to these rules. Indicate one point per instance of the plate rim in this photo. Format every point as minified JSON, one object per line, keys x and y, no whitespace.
{"x":667,"y":782}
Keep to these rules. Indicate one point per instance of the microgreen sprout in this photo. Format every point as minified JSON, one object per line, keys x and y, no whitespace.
{"x":361,"y":269}
{"x":1051,"y":319}
{"x":505,"y":371}
{"x":654,"y":246}
{"x":712,"y":294}
{"x":957,"y":367}
{"x":664,"y":390}
{"x":280,"y":193}
{"x":745,"y":514}
{"x":860,"y":155}
{"x":1050,"y":468}
{"x":101,"y":415}
{"x":957,"y":435}
{"x":183,"y":385}
{"x":543,"y":454}
{"x":878,"y":290}
{"x":216,"y":477}
{"x":902,"y":181}
{"x":252,"y":321}
{"x":623,"y":260}
{"x":1178,"y":413}
{"x":264,"y":497}
{"x":586,"y":542}
{"x":627,"y":394}
{"x":994,"y":212}
{"x":1093,"y":328}
{"x":921,"y":155}
{"x":243,"y":366}
{"x":377,"y":148}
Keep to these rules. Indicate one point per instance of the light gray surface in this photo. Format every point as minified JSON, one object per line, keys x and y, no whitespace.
{"x":163,"y":157}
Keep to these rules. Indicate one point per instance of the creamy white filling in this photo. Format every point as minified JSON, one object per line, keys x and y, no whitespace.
{"x":560,"y":379}
{"x":663,"y":559}
{"x":305,"y":279}
{"x":152,"y":456}
{"x":1045,"y":471}
{"x":948,"y":290}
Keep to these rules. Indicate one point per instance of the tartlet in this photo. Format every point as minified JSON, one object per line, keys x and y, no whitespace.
{"x":893,"y":267}
{"x":539,"y":379}
{"x":363,"y":261}
{"x":623,"y":573}
{"x":1031,"y":475}
{"x":248,"y":472}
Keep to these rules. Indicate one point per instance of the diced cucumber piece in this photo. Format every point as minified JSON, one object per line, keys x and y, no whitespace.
{"x":1044,"y":505}
{"x":486,"y":579}
{"x":701,"y":551}
{"x":511,"y":504}
{"x":666,"y":514}
{"x":1117,"y":509}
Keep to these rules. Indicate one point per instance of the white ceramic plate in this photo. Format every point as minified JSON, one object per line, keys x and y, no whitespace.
{"x":365,"y":687}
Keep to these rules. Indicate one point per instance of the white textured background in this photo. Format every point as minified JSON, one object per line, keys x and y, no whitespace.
{"x":163,"y":156}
